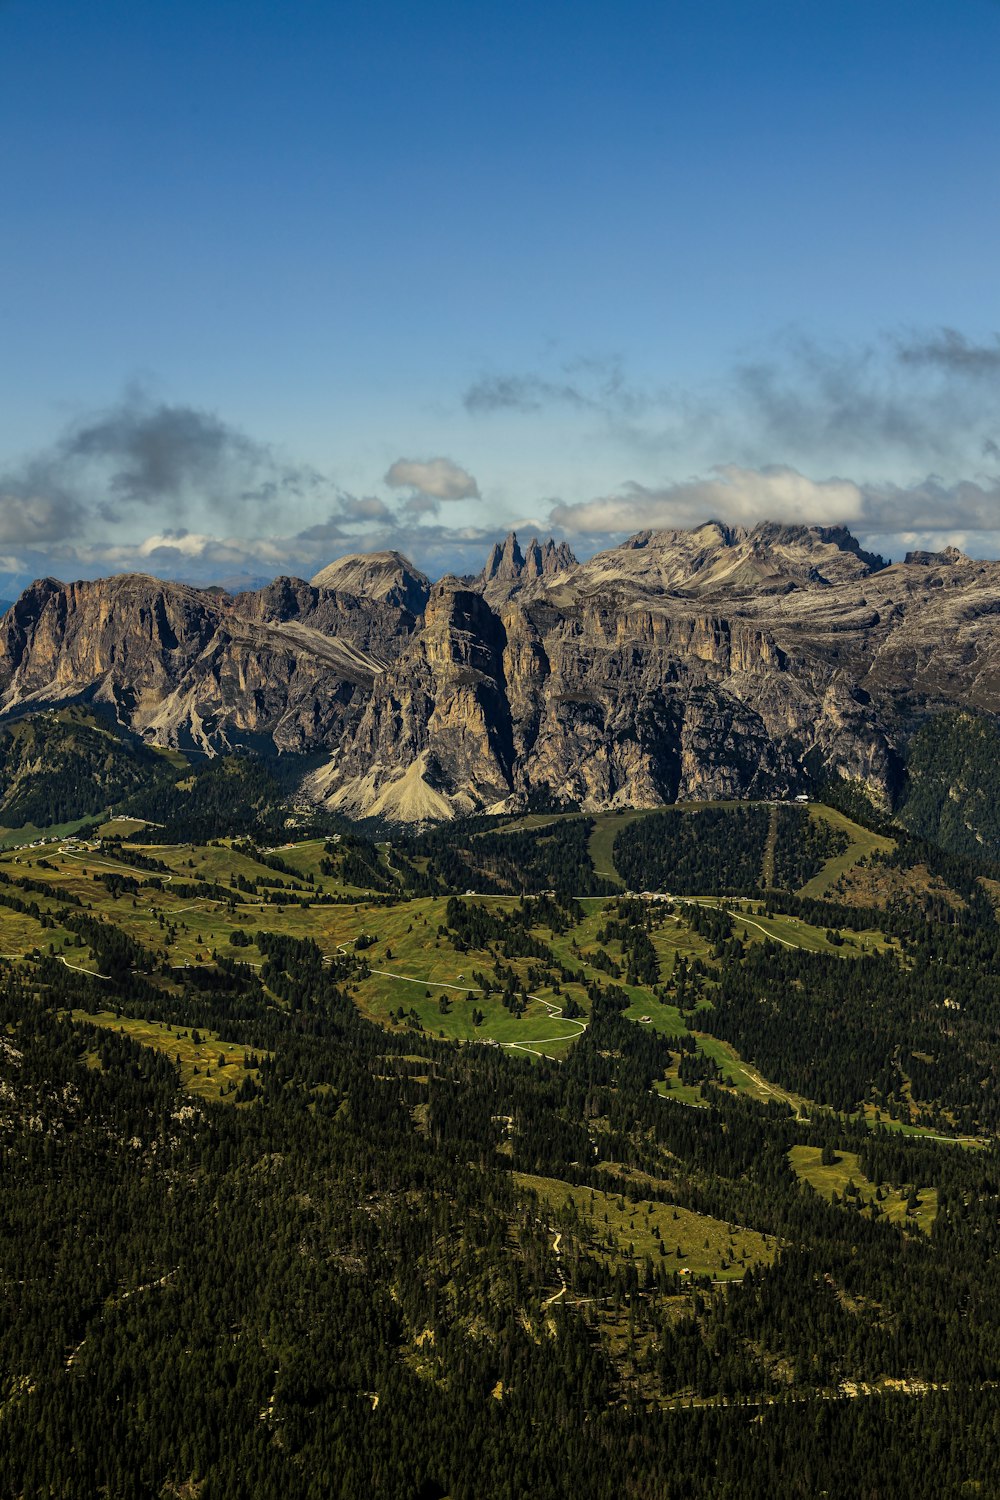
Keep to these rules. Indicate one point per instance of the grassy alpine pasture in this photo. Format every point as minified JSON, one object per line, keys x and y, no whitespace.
{"x":412,"y":967}
{"x":210,"y":1068}
{"x":121,"y":828}
{"x":21,"y":934}
{"x":531,"y":821}
{"x":863,"y":843}
{"x":742,"y":1076}
{"x":411,"y":976}
{"x":844,"y":1179}
{"x":758,"y":926}
{"x":14,"y":838}
{"x":873,"y":1117}
{"x":606,"y":828}
{"x":734,"y":1073}
{"x":613,"y":1227}
{"x":415,"y":978}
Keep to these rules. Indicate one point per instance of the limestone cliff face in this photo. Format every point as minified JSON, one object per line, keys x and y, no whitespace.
{"x":715,"y":663}
{"x":374,"y":628}
{"x":435,"y":738}
{"x":617,"y":706}
{"x":195,"y":668}
{"x":720,"y":662}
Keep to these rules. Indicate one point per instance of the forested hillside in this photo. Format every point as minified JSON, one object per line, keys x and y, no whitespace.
{"x":64,"y":766}
{"x":953,"y":785}
{"x":712,"y":850}
{"x":453,"y":1165}
{"x":346,"y":1268}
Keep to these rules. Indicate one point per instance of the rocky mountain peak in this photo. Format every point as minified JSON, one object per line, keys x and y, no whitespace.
{"x":508,"y":568}
{"x":826,"y":539}
{"x":506,"y":560}
{"x":386,"y":576}
{"x":718,"y":661}
{"x":771,"y":557}
{"x":948,"y":557}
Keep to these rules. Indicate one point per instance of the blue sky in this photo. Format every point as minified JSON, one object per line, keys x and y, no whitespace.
{"x":279,"y":282}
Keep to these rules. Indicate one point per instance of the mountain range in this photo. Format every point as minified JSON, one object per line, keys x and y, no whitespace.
{"x":720,"y":662}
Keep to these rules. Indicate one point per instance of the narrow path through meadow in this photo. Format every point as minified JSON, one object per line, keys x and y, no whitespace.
{"x":555,"y":1011}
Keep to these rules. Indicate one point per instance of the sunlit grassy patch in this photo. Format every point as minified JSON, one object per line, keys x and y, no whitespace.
{"x":614,"y":1227}
{"x":862,"y":843}
{"x":845,"y":1179}
{"x":210,"y":1068}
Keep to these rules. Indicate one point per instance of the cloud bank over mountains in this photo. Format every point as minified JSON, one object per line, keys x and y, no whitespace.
{"x":898,"y":439}
{"x":742,"y":496}
{"x":166,"y":488}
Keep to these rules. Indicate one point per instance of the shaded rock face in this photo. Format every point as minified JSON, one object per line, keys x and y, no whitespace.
{"x":717,"y":662}
{"x":937,"y":559}
{"x":443,"y":708}
{"x":620,"y":707}
{"x":373,"y":627}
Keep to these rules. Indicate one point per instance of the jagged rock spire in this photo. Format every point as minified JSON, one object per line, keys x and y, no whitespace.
{"x":508,"y":564}
{"x":505,"y":562}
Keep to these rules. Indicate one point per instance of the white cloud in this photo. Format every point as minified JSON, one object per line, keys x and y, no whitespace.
{"x":437,"y":477}
{"x":198,"y":557}
{"x":728,"y":493}
{"x":187,"y":543}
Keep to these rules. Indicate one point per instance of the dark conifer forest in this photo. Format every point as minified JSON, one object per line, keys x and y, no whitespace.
{"x":452,"y":1166}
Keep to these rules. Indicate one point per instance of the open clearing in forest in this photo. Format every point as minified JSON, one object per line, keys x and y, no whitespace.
{"x":614,"y":1228}
{"x":844,"y":1176}
{"x":745,"y":1078}
{"x":415,"y":966}
{"x":863,"y":842}
{"x":417,"y":980}
{"x":770,"y":846}
{"x":210,"y":1067}
{"x":11,"y":838}
{"x":606,"y":828}
{"x":182,"y":929}
{"x":736,"y":1074}
{"x":792,"y":932}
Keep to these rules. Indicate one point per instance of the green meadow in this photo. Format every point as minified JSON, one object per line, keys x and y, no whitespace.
{"x":412,"y":977}
{"x":910,"y":1205}
{"x":614,"y":1227}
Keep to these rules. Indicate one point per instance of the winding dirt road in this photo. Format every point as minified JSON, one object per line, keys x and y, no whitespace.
{"x":555,"y":1011}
